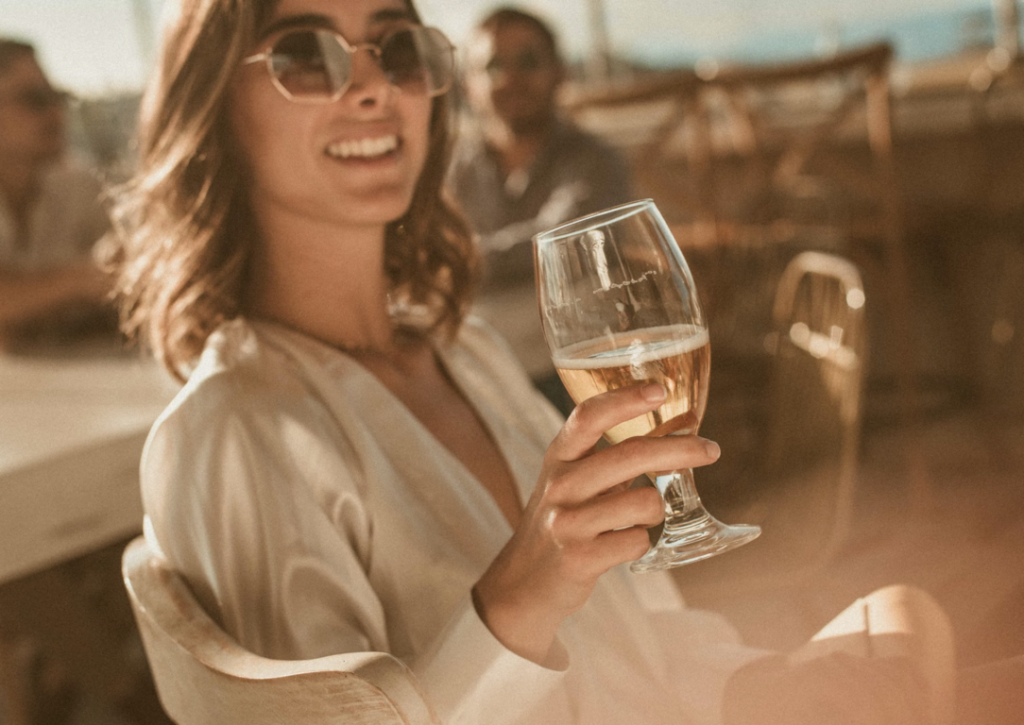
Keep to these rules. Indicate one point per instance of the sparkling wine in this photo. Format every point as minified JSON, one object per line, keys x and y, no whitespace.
{"x":677,"y":356}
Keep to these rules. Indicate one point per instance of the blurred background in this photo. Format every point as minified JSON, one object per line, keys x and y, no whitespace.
{"x":102,"y":50}
{"x":912,"y":465}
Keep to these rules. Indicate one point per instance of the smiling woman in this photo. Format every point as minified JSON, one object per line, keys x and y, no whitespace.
{"x":354,"y":463}
{"x":288,"y":159}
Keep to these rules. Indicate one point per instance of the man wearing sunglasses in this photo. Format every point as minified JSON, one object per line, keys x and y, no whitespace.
{"x":525,"y":170}
{"x":50,"y":212}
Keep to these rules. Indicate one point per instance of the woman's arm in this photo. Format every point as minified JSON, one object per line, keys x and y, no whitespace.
{"x":581,"y":521}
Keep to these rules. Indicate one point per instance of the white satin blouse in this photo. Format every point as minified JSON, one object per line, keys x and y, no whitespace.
{"x":312,"y":514}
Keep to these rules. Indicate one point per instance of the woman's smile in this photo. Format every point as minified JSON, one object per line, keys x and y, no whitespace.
{"x":369,"y":148}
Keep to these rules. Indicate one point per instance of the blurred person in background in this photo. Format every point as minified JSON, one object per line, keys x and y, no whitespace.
{"x":524,"y":170}
{"x":51,"y":291}
{"x":50,"y":212}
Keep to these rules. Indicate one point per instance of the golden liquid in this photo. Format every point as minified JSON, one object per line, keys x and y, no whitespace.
{"x":678,"y":357}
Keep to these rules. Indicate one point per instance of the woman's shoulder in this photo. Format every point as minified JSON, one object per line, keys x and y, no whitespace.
{"x":246,"y":384}
{"x":247,"y":419}
{"x":236,"y":373}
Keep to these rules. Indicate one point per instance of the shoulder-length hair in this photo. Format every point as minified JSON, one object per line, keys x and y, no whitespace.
{"x":183,"y":227}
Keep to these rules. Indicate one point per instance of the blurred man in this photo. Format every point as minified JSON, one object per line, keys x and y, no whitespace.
{"x":526,"y":169}
{"x":50,"y":212}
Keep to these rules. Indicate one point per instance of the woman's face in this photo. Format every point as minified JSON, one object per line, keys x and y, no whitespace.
{"x":352,"y":162}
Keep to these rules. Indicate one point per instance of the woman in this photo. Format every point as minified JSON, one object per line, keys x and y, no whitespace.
{"x":351,"y":464}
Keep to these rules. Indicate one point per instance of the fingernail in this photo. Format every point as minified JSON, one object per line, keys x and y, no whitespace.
{"x":713,"y":449}
{"x":653,"y":393}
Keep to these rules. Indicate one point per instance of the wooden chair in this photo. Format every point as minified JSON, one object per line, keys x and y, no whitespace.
{"x":655,"y":121}
{"x":801,"y":491}
{"x":801,"y":154}
{"x":783,"y":124}
{"x":204,"y":677}
{"x":650,"y":119}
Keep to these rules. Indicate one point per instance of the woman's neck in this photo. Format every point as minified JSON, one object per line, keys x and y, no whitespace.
{"x":324,"y":281}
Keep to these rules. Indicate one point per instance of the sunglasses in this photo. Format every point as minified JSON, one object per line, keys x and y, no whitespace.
{"x":315,"y":65}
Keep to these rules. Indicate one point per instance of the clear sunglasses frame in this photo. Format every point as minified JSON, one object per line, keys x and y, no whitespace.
{"x":374,"y":49}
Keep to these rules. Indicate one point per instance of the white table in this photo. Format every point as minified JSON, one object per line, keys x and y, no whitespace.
{"x":71,"y":433}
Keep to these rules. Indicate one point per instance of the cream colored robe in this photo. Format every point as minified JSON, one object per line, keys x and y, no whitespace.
{"x":313,"y":514}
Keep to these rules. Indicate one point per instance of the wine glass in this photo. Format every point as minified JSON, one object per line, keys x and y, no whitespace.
{"x":619,"y":307}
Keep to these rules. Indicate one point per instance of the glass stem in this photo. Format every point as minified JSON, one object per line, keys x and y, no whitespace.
{"x":682,"y":504}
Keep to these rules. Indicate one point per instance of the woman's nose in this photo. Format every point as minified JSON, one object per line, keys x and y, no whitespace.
{"x":370,"y":84}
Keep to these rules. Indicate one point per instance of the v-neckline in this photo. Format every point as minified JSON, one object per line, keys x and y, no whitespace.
{"x":334,"y":356}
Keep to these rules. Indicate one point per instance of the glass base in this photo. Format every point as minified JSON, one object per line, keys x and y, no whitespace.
{"x":696,"y":540}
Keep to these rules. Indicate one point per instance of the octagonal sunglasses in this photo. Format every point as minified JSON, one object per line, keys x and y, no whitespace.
{"x":314,"y":65}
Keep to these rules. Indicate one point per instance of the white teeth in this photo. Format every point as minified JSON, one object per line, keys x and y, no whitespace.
{"x":363,"y":148}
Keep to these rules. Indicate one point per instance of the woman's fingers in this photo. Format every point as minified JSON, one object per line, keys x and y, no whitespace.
{"x":591,"y":418}
{"x":581,"y":520}
{"x":642,"y":507}
{"x":595,"y":474}
{"x":588,"y":560}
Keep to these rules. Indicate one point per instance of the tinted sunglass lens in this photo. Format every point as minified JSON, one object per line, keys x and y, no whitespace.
{"x":42,"y":99}
{"x":310,"y":63}
{"x":400,"y":57}
{"x":419,"y":58}
{"x":440,"y":60}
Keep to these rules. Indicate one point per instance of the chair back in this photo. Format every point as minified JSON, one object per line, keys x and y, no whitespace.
{"x":801,"y":490}
{"x":204,"y":677}
{"x":801,"y":154}
{"x":786,"y":143}
{"x":819,"y":336}
{"x":651,"y":120}
{"x":816,"y":390}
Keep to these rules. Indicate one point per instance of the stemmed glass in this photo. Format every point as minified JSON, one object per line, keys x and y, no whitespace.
{"x":619,"y":307}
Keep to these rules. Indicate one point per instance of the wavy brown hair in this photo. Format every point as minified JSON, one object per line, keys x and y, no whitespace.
{"x":182,"y":224}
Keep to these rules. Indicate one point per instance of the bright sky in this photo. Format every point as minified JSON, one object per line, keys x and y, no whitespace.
{"x":98,"y":46}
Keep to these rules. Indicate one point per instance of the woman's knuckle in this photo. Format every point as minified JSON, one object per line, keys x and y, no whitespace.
{"x":638,"y":542}
{"x":634,"y":446}
{"x":631,"y":453}
{"x":579,"y":418}
{"x":650,"y":500}
{"x":550,"y":520}
{"x":560,"y":523}
{"x":560,"y":485}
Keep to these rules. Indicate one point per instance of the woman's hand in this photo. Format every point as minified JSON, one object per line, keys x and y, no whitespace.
{"x":581,"y":520}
